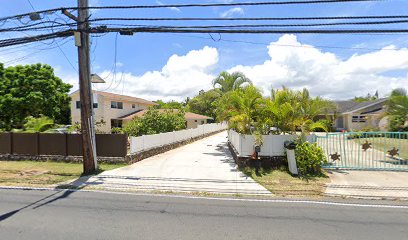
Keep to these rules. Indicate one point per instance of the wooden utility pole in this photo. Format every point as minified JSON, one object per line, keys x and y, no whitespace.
{"x":85,"y":89}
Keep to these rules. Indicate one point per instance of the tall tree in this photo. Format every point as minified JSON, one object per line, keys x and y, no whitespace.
{"x":205,"y":103}
{"x":32,"y":90}
{"x":230,"y":81}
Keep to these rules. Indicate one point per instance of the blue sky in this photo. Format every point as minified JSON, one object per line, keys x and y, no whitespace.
{"x":175,"y":66}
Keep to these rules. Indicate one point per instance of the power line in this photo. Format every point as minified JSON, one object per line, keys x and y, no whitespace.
{"x":292,"y":2}
{"x":176,"y":29}
{"x":287,"y":45}
{"x":271,"y":25}
{"x":59,"y":47}
{"x":252,"y":19}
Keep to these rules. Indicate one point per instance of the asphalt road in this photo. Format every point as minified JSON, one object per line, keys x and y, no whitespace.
{"x":33,"y":214}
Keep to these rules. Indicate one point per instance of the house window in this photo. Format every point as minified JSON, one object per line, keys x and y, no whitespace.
{"x":359,"y":119}
{"x":202,"y":122}
{"x":116,"y":123}
{"x":78,"y":105}
{"x":195,"y":120}
{"x":133,"y":105}
{"x":117,"y":105}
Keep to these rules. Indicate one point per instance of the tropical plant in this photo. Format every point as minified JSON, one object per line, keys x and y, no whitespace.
{"x":242,"y":109}
{"x":231,"y":81}
{"x":291,"y":110}
{"x":155,"y":121}
{"x":40,"y":124}
{"x":397,"y":110}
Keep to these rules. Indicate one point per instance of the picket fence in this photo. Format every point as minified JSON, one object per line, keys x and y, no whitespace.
{"x":147,"y":142}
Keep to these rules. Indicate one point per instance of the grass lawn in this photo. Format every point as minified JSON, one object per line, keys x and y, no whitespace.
{"x":282,"y":184}
{"x":382,"y":144}
{"x":32,"y":173}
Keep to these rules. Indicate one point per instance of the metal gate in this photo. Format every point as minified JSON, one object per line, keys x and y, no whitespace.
{"x":365,"y":150}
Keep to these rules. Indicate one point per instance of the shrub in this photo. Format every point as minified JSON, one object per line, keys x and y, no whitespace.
{"x":40,"y":124}
{"x":309,"y":158}
{"x":155,"y":121}
{"x":117,"y":131}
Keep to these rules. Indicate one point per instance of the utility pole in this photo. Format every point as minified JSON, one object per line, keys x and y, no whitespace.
{"x":85,"y":89}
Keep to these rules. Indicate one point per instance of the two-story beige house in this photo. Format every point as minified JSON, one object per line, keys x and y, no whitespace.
{"x":109,"y":108}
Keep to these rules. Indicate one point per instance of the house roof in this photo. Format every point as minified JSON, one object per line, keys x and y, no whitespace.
{"x":119,"y":97}
{"x":188,"y":115}
{"x":351,"y":106}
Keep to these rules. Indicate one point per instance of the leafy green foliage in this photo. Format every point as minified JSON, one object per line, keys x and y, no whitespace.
{"x":40,"y":124}
{"x":32,"y":90}
{"x":397,"y":109}
{"x":242,"y":109}
{"x":309,"y":158}
{"x":230,"y":81}
{"x":205,"y":103}
{"x":155,"y":121}
{"x":168,"y":105}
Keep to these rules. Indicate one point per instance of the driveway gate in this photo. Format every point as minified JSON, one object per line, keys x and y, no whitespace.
{"x":365,"y":150}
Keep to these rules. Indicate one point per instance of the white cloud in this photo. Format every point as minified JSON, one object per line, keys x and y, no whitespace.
{"x":324,"y":73}
{"x":290,"y":63}
{"x":181,"y":77}
{"x":232,"y":12}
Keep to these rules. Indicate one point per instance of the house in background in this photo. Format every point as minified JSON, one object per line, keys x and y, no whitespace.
{"x":192,"y":119}
{"x":109,"y":108}
{"x":354,"y":116}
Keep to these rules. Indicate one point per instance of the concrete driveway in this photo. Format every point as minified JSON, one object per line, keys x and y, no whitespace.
{"x":368,"y":184}
{"x":202,"y":166}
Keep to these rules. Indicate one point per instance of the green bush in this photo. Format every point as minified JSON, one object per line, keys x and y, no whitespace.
{"x":309,"y":158}
{"x":40,"y":124}
{"x":155,"y":121}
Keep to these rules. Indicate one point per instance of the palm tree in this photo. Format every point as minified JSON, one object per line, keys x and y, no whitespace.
{"x":397,"y":109}
{"x":291,"y":110}
{"x":241,"y":108}
{"x":231,"y":81}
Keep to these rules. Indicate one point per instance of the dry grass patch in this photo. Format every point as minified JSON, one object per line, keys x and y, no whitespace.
{"x":283,"y":184}
{"x":31,"y":173}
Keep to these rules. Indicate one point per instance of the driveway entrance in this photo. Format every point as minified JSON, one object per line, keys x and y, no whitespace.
{"x":203,"y":166}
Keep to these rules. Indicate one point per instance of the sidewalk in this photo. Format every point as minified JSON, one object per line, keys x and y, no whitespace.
{"x":368,"y":184}
{"x":204,"y":166}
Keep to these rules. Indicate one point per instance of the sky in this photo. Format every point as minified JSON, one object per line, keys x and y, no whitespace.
{"x":171,"y":66}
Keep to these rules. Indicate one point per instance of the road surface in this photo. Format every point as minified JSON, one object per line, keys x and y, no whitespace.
{"x":38,"y":215}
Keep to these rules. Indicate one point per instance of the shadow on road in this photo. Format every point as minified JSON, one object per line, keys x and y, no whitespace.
{"x":51,"y":198}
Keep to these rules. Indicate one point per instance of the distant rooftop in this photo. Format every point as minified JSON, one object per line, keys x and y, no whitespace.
{"x":119,"y":97}
{"x":188,"y":115}
{"x":351,"y":106}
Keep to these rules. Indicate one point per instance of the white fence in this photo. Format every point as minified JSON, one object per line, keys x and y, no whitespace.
{"x":147,"y":142}
{"x":272,"y":144}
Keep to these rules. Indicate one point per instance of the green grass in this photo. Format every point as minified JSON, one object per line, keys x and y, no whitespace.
{"x":386,"y":144}
{"x":283,"y":184}
{"x":32,"y":173}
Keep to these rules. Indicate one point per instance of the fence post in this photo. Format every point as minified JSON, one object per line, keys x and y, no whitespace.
{"x":38,"y":143}
{"x":11,"y":143}
{"x":66,"y":144}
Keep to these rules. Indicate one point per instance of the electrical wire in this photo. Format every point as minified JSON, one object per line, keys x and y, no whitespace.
{"x":59,"y":48}
{"x":191,"y":29}
{"x":287,"y":45}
